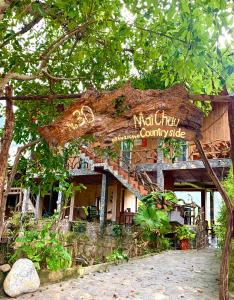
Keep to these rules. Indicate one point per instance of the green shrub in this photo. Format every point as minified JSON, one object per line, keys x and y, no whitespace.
{"x":154,"y":224}
{"x":43,"y":247}
{"x":116,"y":256}
{"x":116,"y":230}
{"x":165,"y":199}
{"x":183,"y":232}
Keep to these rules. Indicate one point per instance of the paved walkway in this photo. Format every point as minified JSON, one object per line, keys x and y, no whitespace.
{"x":170,"y":275}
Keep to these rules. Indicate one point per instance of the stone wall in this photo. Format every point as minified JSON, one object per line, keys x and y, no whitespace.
{"x":93,"y":247}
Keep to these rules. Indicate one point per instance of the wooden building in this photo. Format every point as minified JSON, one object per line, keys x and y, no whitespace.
{"x":113,"y":186}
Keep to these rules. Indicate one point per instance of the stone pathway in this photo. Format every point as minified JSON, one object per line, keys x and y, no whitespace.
{"x":170,"y":275}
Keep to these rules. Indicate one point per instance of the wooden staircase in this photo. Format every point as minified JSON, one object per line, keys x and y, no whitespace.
{"x":128,"y":179}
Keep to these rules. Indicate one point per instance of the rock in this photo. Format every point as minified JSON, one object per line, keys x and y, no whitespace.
{"x":22,"y":278}
{"x":5,"y":268}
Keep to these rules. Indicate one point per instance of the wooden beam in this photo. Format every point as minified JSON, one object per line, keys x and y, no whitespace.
{"x":194,"y":97}
{"x":43,"y":97}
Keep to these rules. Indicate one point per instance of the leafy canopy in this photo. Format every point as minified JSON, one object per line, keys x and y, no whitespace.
{"x":101,"y":44}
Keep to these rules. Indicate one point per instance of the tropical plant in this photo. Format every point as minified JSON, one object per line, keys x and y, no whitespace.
{"x":165,"y":200}
{"x":153,"y":222}
{"x":183,"y":232}
{"x":44,"y":247}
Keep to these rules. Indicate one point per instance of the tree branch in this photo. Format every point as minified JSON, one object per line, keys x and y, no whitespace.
{"x":45,"y":56}
{"x":25,"y":29}
{"x":55,"y":78}
{"x":20,"y":150}
{"x":4,"y":152}
{"x":161,"y":34}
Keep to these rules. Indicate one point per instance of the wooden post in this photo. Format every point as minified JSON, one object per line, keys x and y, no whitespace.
{"x":116,"y":202}
{"x":224,"y":269}
{"x":103,"y":202}
{"x":72,"y":203}
{"x":160,"y":175}
{"x":212,"y":212}
{"x":160,"y":178}
{"x":203,"y":202}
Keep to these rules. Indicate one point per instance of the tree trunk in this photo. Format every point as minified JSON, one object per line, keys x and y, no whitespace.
{"x":231,"y":127}
{"x":224,"y":269}
{"x":4,"y":153}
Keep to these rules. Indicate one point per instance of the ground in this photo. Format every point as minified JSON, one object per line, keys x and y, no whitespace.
{"x":170,"y":275}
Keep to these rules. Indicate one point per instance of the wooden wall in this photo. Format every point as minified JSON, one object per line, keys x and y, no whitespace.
{"x":215,"y":125}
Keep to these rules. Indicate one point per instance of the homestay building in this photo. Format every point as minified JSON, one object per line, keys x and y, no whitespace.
{"x":114,"y":185}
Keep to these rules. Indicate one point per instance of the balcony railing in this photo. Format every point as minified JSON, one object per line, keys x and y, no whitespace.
{"x":213,"y":150}
{"x":128,"y":160}
{"x":126,"y":218}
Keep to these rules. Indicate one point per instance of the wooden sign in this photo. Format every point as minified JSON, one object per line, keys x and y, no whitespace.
{"x":127,"y":113}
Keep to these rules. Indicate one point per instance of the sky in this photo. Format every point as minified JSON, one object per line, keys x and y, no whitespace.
{"x":196,"y":197}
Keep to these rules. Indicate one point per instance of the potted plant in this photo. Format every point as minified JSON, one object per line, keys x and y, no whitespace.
{"x":184,"y":234}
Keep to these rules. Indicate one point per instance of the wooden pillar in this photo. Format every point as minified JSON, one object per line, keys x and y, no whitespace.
{"x":212,"y":212}
{"x":203,"y":201}
{"x":72,"y":203}
{"x":116,"y":202}
{"x":160,"y":175}
{"x":103,"y":202}
{"x":160,"y":178}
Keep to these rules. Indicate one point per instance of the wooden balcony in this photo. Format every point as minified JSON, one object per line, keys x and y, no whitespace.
{"x":128,"y":160}
{"x":213,"y":150}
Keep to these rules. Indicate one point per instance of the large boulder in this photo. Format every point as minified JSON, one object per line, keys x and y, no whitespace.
{"x":22,"y":278}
